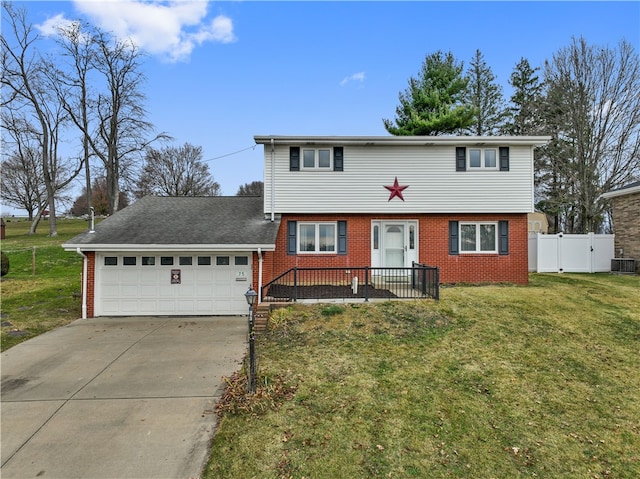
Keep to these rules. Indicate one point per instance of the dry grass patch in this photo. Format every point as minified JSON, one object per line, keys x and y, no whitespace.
{"x":492,"y":381}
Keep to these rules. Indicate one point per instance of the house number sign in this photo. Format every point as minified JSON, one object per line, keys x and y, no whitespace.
{"x":175,"y":276}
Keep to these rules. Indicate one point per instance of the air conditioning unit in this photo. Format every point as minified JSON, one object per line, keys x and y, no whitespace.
{"x":623,"y":265}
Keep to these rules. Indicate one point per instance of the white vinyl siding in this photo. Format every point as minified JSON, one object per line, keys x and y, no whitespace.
{"x":434,"y":185}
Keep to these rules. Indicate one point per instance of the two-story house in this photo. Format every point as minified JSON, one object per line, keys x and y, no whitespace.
{"x":459,"y":203}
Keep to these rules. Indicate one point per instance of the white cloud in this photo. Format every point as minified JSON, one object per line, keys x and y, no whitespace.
{"x":357,"y":77}
{"x":170,"y":29}
{"x":52,"y":25}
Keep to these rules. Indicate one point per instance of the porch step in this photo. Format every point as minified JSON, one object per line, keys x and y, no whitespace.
{"x":262,"y":312}
{"x":261,"y":317}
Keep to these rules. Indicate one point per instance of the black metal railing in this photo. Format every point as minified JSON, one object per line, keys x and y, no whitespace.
{"x":418,"y":281}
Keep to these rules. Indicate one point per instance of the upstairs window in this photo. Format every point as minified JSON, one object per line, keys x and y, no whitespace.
{"x":316,"y":159}
{"x":319,"y":159}
{"x":483,"y":158}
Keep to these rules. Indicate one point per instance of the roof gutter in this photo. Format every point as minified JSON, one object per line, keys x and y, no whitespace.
{"x":204,"y":248}
{"x":403,"y":140}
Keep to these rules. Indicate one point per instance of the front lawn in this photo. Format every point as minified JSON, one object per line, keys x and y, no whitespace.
{"x":42,"y":290}
{"x":491,"y":382}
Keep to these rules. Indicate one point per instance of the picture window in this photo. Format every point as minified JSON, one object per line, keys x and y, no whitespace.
{"x":317,"y":237}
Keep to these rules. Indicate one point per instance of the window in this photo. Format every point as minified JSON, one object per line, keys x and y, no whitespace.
{"x":483,"y":158}
{"x":318,"y":159}
{"x":185,"y":260}
{"x":478,"y":238}
{"x":166,"y":260}
{"x":204,"y":260}
{"x":487,"y":237}
{"x":148,"y":261}
{"x":111,"y":261}
{"x":241,"y":260}
{"x":222,"y":260}
{"x":317,"y":237}
{"x":129,"y":261}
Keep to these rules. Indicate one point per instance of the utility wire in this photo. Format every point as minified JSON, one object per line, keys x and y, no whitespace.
{"x":252,"y":147}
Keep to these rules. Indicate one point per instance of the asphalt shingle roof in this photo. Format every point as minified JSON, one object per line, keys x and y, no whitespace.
{"x":212,"y":220}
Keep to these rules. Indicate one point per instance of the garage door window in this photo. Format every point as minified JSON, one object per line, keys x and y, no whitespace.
{"x":148,"y":261}
{"x":129,"y":261}
{"x":166,"y":260}
{"x":204,"y":260}
{"x":241,"y":260}
{"x":111,"y":261}
{"x":186,"y":260}
{"x":222,"y":260}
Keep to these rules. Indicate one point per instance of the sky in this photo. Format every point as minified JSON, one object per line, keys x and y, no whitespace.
{"x":219,"y":73}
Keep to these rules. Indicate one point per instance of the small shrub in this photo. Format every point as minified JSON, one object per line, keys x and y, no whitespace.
{"x":5,"y":263}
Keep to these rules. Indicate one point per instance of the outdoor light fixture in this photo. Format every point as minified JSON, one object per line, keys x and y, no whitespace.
{"x":251,"y":296}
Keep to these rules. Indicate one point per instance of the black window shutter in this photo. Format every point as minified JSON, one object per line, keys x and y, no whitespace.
{"x":294,"y":158}
{"x":338,"y":158}
{"x":504,"y":158}
{"x":503,"y":237}
{"x":292,"y":227}
{"x":461,"y":158}
{"x":453,"y":237}
{"x":342,"y":237}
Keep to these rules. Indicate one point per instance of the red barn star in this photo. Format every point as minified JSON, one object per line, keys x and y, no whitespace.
{"x":396,"y":190}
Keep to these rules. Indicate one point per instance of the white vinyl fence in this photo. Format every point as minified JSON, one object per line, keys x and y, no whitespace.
{"x":569,"y":253}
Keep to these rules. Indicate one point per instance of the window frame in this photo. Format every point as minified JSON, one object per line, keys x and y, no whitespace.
{"x":483,"y":160}
{"x":478,"y":237}
{"x":316,"y":239}
{"x":316,"y":159}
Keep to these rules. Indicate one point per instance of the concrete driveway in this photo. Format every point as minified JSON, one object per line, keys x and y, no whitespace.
{"x":117,"y":397}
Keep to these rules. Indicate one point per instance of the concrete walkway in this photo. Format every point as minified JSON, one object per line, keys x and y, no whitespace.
{"x":116,"y":397}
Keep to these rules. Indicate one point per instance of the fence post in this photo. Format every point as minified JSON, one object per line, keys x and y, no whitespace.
{"x":295,"y":284}
{"x":424,"y":280}
{"x":366,"y":284}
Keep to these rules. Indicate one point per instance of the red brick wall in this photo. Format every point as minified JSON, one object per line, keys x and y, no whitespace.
{"x":433,"y":237}
{"x":91,"y":279}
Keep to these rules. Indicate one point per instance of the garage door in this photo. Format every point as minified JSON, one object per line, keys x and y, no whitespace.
{"x":172,"y":284}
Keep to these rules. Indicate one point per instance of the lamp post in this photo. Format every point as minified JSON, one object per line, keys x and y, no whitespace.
{"x":251,"y":296}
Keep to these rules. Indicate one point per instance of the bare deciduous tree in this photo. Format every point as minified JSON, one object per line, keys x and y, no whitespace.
{"x":176,"y":171}
{"x":593,"y":112}
{"x":255,"y":188}
{"x":28,"y":89}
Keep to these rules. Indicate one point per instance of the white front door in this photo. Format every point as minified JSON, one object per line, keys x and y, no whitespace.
{"x":394,"y":244}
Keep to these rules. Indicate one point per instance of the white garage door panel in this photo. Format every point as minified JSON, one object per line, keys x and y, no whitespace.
{"x":203,"y":289}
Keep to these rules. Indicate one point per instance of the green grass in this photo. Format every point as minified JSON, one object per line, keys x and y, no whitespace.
{"x":39,"y":295}
{"x":491,"y":382}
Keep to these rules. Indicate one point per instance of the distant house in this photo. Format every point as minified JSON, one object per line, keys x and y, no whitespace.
{"x":459,"y":203}
{"x":625,"y":203}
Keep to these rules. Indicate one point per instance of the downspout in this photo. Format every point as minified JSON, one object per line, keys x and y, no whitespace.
{"x":260,"y":260}
{"x":273,"y":180}
{"x":84,"y":282}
